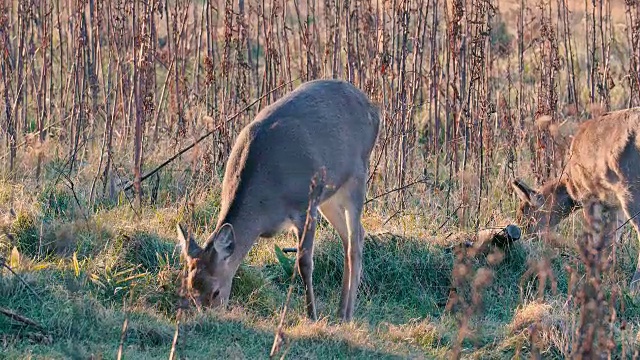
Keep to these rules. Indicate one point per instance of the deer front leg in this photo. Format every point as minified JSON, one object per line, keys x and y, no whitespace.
{"x":631,"y":206}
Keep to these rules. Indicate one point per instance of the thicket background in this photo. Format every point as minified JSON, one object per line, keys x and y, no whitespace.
{"x":97,"y":94}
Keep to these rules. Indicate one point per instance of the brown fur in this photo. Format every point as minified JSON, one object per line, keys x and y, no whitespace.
{"x":326,"y":124}
{"x":603,"y":163}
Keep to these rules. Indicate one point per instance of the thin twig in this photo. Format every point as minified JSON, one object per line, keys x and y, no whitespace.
{"x":176,"y":334}
{"x":626,"y":222}
{"x":4,"y":264}
{"x":182,"y":304}
{"x":449,"y":218}
{"x":317,"y":184}
{"x":400,"y":188}
{"x":125,"y":324}
{"x":71,"y":187}
{"x":123,"y":336}
{"x":17,"y":317}
{"x":621,"y":226}
{"x":179,"y":153}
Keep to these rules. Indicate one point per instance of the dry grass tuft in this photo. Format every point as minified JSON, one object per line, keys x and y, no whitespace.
{"x":529,"y":314}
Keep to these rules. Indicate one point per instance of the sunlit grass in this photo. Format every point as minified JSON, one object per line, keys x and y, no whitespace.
{"x":90,"y":273}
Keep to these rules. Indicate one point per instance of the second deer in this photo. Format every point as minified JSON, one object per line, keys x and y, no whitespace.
{"x":603,"y":163}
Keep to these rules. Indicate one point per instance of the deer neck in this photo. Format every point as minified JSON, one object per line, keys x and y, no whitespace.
{"x":246,"y":233}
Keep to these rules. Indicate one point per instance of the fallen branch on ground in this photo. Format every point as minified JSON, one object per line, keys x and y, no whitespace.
{"x":486,"y":239}
{"x":17,"y":317}
{"x":4,"y":264}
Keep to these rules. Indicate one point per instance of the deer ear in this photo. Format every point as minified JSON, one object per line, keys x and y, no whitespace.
{"x":524,"y":192}
{"x":190,"y":248}
{"x":224,"y":241}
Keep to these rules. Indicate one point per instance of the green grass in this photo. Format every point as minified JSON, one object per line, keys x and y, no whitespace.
{"x":89,"y":275}
{"x":94,"y":262}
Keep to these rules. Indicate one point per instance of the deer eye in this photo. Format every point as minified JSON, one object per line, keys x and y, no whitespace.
{"x":216,"y":293}
{"x":197,"y":283}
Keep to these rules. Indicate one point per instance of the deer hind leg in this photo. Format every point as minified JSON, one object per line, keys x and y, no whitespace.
{"x":355,"y":194}
{"x":343,"y":211}
{"x":305,"y":259}
{"x":631,"y":206}
{"x":619,"y":220}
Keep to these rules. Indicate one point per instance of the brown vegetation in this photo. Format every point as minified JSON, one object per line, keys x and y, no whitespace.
{"x":118,"y":118}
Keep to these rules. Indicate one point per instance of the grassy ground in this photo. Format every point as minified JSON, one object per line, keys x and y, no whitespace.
{"x":86,"y":264}
{"x":89,"y":274}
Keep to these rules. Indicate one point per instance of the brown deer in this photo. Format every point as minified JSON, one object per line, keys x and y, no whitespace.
{"x":603,"y":163}
{"x":323,"y":125}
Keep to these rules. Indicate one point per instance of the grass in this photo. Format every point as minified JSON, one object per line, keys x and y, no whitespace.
{"x":90,"y":274}
{"x":90,"y":260}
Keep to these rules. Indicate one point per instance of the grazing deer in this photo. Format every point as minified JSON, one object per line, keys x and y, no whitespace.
{"x":323,"y":124}
{"x":603,"y":163}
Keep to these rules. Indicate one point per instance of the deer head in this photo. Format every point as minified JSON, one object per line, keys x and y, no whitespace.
{"x":210,"y":272}
{"x":543,"y":208}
